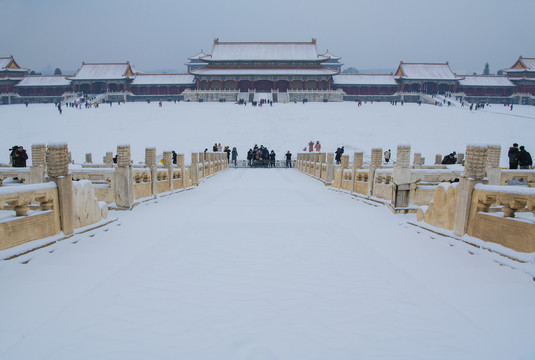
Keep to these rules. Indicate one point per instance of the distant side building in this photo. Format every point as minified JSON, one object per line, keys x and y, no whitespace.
{"x":10,"y":74}
{"x":522,"y":74}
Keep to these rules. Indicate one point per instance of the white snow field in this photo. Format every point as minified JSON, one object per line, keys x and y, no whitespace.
{"x":264,"y":263}
{"x":192,"y":127}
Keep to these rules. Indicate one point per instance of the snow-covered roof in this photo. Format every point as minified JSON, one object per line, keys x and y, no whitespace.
{"x":425,"y":71}
{"x":251,"y":51}
{"x":164,"y":79}
{"x":218,"y":71}
{"x":4,"y":62}
{"x":522,"y":64}
{"x":9,"y":64}
{"x":34,"y":80}
{"x":104,"y":71}
{"x":485,"y":80}
{"x":329,"y":55}
{"x":364,"y":79}
{"x":197,"y":56}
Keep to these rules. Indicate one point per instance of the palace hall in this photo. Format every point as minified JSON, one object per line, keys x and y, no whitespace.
{"x":278,"y":71}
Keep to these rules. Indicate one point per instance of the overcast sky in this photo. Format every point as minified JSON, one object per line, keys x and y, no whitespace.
{"x":367,"y":34}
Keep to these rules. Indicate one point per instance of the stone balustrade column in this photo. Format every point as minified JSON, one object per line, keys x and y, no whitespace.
{"x":417,"y":160}
{"x":168,"y":164}
{"x":438,"y":159}
{"x":474,"y":172}
{"x":58,"y":171}
{"x":194,"y":168}
{"x":323,"y":158}
{"x":376,"y":161}
{"x":358,"y":159}
{"x":377,"y":157}
{"x":460,"y":158}
{"x":330,"y":169}
{"x":150,"y":162}
{"x":108,"y":159}
{"x":494,"y":173}
{"x":344,"y":164}
{"x":88,"y":158}
{"x":124,"y":185}
{"x":402,"y":177}
{"x":37,"y":169}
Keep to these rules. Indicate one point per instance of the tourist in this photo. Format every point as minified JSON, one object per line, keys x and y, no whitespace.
{"x":12,"y":155}
{"x":450,"y":159}
{"x":214,"y":148}
{"x":317,"y":146}
{"x":174,"y":156}
{"x":20,"y":157}
{"x":250,"y":156}
{"x":338,"y":156}
{"x":387,"y":155}
{"x":272,"y":159}
{"x":288,"y":159}
{"x":234,"y":156}
{"x":524,"y":158}
{"x":311,"y":146}
{"x":513,"y":156}
{"x":227,"y":150}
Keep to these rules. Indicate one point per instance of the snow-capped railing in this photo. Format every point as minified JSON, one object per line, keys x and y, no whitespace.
{"x":30,"y":212}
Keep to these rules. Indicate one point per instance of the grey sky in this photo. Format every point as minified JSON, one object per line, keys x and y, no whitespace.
{"x":161,"y":34}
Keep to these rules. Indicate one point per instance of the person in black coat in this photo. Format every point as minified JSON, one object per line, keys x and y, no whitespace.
{"x":288,"y":159}
{"x":20,"y":157}
{"x":524,"y":158}
{"x":12,"y":154}
{"x":513,"y":156}
{"x":272,"y":159}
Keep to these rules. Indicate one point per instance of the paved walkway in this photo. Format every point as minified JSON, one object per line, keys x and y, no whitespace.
{"x":263,"y":264}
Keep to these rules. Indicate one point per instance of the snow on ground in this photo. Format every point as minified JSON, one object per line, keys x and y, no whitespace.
{"x":263,"y":264}
{"x":192,"y":127}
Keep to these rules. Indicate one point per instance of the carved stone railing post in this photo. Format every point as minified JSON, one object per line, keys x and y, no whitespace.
{"x":181,"y":164}
{"x":330,"y":169}
{"x":377,"y":157}
{"x":194,"y":174}
{"x":168,"y":164}
{"x":474,"y":172}
{"x":402,"y":177}
{"x":108,"y":159}
{"x":88,"y":158}
{"x":124,"y":186}
{"x":150,"y":162}
{"x":494,"y":173}
{"x":460,"y":158}
{"x":417,"y":162}
{"x":37,"y":169}
{"x":58,"y":171}
{"x":376,"y":161}
{"x":438,"y":159}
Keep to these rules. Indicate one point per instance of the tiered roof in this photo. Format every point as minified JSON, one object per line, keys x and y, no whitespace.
{"x":364,"y":79}
{"x":522,"y":65}
{"x":425,"y":71}
{"x":263,"y":71}
{"x":485,"y":81}
{"x":104,"y":71}
{"x":264,"y":51}
{"x":164,"y":79}
{"x":38,"y":80}
{"x":8,"y":65}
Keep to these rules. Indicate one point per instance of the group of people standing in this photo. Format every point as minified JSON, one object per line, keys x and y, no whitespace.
{"x":519,"y":157}
{"x":313,"y":147}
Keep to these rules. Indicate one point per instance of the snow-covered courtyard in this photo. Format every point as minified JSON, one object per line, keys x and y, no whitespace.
{"x":265,"y":263}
